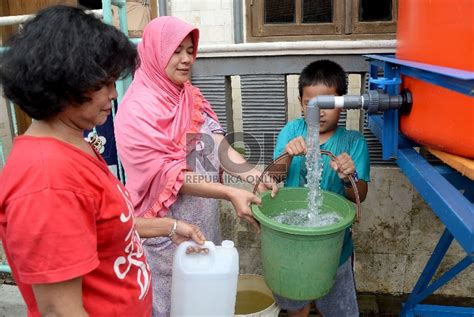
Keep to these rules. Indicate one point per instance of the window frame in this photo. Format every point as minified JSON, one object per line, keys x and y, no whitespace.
{"x":376,"y":27}
{"x":344,"y":26}
{"x":297,"y":28}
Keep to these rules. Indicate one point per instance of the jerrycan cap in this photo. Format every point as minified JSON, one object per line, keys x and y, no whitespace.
{"x":227,"y":244}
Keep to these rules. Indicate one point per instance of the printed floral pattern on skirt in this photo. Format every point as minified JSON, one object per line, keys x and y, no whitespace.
{"x":202,"y":212}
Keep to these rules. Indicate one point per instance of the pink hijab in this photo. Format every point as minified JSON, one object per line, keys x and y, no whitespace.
{"x":154,"y":118}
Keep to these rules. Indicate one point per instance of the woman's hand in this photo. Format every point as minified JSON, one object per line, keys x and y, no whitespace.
{"x":241,"y":200}
{"x":163,"y":227}
{"x":268,"y":183}
{"x":296,"y":147}
{"x":185,"y":231}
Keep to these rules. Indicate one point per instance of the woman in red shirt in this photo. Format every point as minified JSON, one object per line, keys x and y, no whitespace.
{"x":66,"y":222}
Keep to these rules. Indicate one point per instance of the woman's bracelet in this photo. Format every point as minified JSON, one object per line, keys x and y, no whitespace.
{"x":173,"y":229}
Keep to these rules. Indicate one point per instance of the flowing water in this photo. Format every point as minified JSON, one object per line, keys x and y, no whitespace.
{"x":312,"y":216}
{"x":314,"y":170}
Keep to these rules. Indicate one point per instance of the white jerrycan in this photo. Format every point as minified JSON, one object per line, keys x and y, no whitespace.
{"x":205,"y":284}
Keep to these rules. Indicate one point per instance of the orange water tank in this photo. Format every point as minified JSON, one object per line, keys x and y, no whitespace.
{"x":438,"y":32}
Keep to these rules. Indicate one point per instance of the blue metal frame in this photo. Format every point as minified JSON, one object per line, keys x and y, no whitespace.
{"x":438,"y":185}
{"x":454,"y":79}
{"x":390,"y":83}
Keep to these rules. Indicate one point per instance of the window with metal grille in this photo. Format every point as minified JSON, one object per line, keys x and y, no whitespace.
{"x":320,"y":19}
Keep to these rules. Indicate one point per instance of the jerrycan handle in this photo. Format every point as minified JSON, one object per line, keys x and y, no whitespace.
{"x":184,"y":246}
{"x":195,"y":261}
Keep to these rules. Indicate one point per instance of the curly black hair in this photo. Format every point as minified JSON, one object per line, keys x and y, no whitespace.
{"x":60,"y":56}
{"x":324,"y":72}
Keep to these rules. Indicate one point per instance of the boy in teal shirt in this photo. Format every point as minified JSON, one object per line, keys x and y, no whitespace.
{"x":352,"y":158}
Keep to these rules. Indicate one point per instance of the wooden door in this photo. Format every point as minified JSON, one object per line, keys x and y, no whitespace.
{"x":18,"y":7}
{"x":154,"y":9}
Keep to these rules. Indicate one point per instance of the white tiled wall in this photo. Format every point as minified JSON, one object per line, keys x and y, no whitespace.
{"x":214,"y":18}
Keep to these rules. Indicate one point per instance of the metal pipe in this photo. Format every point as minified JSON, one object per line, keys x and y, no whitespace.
{"x":372,"y":101}
{"x":119,"y":3}
{"x":14,"y":122}
{"x":312,"y":116}
{"x":14,"y":19}
{"x":2,"y":154}
{"x":136,"y":40}
{"x":122,"y":13}
{"x":5,"y":268}
{"x":107,"y":11}
{"x":238,"y":32}
{"x":162,"y":8}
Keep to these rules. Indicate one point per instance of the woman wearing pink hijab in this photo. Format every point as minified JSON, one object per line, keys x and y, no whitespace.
{"x":168,"y":138}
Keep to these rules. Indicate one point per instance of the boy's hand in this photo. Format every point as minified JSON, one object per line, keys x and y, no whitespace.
{"x":296,"y":147}
{"x":343,"y":165}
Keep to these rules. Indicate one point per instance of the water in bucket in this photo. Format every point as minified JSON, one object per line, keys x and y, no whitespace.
{"x":306,"y":218}
{"x":254,"y":298}
{"x":249,"y":302}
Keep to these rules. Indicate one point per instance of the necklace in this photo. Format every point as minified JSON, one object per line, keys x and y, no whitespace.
{"x":96,"y":142}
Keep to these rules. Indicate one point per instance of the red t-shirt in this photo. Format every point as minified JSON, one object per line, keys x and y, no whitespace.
{"x":63,"y":215}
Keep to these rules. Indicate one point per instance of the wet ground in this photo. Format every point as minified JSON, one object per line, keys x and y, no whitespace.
{"x":370,"y":305}
{"x":382,"y":305}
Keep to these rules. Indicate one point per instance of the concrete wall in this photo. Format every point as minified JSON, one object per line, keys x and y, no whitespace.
{"x":397,"y":235}
{"x":394,"y":239}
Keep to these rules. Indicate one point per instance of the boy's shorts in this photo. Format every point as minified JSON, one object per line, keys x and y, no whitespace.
{"x":340,"y":301}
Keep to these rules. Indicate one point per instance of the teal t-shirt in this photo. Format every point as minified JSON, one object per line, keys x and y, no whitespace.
{"x":351,"y":142}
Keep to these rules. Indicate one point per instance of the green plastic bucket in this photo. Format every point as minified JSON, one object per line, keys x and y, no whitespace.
{"x":300,"y":263}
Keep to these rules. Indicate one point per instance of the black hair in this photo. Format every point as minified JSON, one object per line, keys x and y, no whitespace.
{"x":59,"y":57}
{"x":324,"y":72}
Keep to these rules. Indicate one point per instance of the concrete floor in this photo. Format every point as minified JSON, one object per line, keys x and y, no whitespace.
{"x":370,"y":305}
{"x":11,"y":302}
